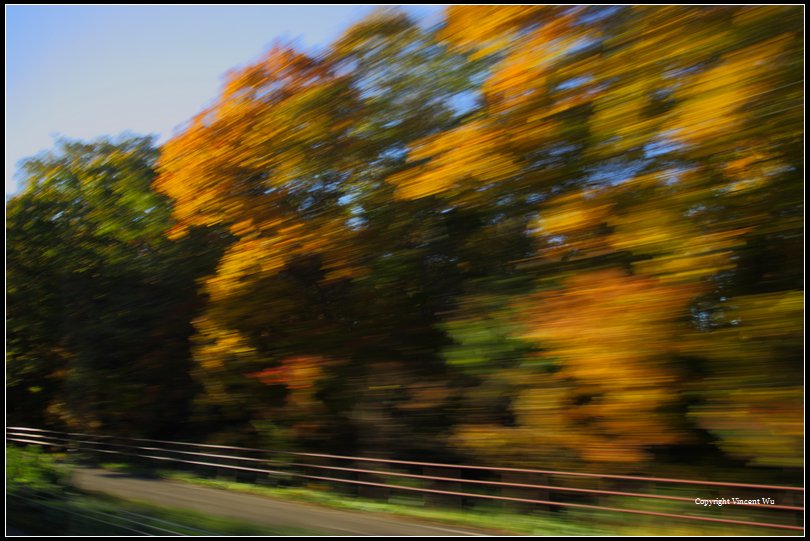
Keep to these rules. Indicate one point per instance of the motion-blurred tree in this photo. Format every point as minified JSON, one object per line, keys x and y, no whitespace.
{"x":294,"y":159}
{"x":660,"y":148}
{"x":98,"y":298}
{"x":537,"y":234}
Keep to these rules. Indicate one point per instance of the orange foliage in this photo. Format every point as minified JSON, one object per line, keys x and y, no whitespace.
{"x":613,"y":337}
{"x":236,"y":161}
{"x":643,"y":153}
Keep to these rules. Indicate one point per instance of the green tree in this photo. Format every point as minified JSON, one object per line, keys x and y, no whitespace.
{"x":99,"y":300}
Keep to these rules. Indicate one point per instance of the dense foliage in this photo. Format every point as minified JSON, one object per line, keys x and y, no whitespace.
{"x":557,"y":236}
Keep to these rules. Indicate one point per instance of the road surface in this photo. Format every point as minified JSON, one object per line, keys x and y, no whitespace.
{"x":258,"y":510}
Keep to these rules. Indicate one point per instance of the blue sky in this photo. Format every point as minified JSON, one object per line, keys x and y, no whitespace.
{"x":86,"y":71}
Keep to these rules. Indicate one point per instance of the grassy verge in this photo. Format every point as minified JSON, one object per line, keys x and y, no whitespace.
{"x":29,"y":469}
{"x":81,"y":514}
{"x":493,"y":517}
{"x":41,"y":501}
{"x":39,"y":470}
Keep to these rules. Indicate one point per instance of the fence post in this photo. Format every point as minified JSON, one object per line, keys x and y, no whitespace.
{"x":370,"y":492}
{"x":444,"y":500}
{"x":515,"y":492}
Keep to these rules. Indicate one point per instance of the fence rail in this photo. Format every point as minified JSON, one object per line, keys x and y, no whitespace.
{"x":461,"y":482}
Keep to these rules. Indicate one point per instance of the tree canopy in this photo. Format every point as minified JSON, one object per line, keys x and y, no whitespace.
{"x":532,"y":235}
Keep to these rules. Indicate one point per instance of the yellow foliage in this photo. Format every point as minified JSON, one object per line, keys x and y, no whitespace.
{"x":713,"y":102}
{"x":752,"y":403}
{"x":572,"y":213}
{"x":764,"y":426}
{"x":613,"y":337}
{"x":487,"y":27}
{"x":234,"y":161}
{"x":468,"y":152}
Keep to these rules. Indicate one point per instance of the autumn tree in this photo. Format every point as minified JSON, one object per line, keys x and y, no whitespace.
{"x":294,"y":159}
{"x":548,"y":235}
{"x":658,"y":146}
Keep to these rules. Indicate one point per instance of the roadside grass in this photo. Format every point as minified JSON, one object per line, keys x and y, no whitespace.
{"x":39,"y":469}
{"x":94,"y":514}
{"x":484,"y":517}
{"x":41,"y":501}
{"x":492,"y":517}
{"x":29,"y":469}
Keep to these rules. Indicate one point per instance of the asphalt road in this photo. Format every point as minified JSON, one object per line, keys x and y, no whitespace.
{"x":258,"y":510}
